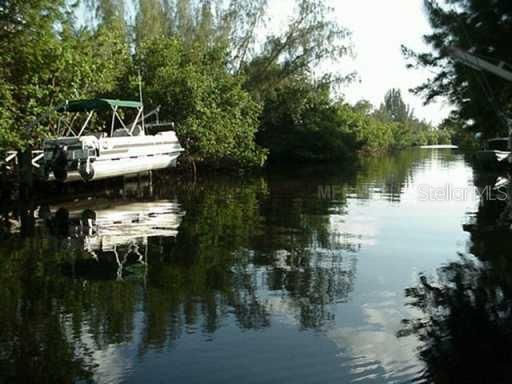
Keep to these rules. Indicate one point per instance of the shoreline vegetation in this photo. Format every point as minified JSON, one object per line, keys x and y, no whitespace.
{"x":238,"y":101}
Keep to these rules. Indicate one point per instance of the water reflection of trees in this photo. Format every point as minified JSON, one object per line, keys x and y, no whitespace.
{"x":244,"y":251}
{"x":194,"y":282}
{"x":388,"y":175}
{"x":466,"y":325}
{"x":465,"y":313}
{"x":35,"y":341}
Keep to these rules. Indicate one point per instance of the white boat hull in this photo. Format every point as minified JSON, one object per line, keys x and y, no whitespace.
{"x":103,"y":169}
{"x":89,"y":158}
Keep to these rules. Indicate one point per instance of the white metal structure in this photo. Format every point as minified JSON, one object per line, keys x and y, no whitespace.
{"x":10,"y":160}
{"x":479,"y":64}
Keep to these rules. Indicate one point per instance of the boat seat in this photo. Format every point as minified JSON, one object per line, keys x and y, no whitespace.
{"x":122,"y":132}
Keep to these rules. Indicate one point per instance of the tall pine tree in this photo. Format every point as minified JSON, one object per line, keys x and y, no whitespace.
{"x":484,"y":28}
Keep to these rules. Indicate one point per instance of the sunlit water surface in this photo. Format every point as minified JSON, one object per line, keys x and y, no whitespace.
{"x":299,"y":276}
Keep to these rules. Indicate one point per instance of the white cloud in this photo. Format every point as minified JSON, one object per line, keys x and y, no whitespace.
{"x":376,"y":345}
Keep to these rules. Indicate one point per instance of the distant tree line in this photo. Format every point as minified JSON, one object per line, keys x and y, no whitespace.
{"x":393,"y":125}
{"x":237,"y":99}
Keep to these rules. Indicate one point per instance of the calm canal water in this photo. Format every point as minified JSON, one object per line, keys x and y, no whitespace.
{"x":391,"y":273}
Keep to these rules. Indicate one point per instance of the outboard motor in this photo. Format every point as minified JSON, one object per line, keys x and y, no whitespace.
{"x":86,"y":170}
{"x":69,"y":159}
{"x":60,"y":164}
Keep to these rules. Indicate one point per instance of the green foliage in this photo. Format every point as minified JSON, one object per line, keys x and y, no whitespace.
{"x":394,"y":107}
{"x":31,"y":54}
{"x":232,"y":100}
{"x":300,"y":122}
{"x":215,"y":117}
{"x":460,"y":137}
{"x":372,"y":134}
{"x":407,"y":129}
{"x":151,"y":21}
{"x":197,"y":77}
{"x":47,"y":61}
{"x":312,"y":37}
{"x":483,"y":28}
{"x":8,"y":138}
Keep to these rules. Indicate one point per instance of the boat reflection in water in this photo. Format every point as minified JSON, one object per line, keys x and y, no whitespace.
{"x":115,"y":235}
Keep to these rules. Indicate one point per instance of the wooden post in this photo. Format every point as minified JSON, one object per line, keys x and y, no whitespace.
{"x":27,"y":219}
{"x":509,"y":125}
{"x":151,"y":183}
{"x":140,"y":193}
{"x":25,"y":177}
{"x":194,"y":169}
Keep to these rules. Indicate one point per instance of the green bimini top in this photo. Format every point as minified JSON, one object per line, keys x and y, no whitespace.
{"x":96,"y":105}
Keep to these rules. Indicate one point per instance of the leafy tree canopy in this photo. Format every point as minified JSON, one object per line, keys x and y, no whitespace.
{"x":483,"y":28}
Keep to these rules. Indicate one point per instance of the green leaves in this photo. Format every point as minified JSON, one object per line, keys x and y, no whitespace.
{"x":233,"y":101}
{"x":301,"y":123}
{"x":47,"y":60}
{"x":215,"y":118}
{"x":483,"y":28}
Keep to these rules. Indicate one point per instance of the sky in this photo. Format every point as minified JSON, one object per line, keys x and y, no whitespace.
{"x":379,"y":28}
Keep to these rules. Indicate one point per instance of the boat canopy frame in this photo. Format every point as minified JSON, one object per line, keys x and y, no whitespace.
{"x":92,"y":106}
{"x":97,"y":105}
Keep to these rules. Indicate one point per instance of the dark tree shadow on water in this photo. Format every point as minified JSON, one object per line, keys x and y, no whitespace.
{"x":464,"y":324}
